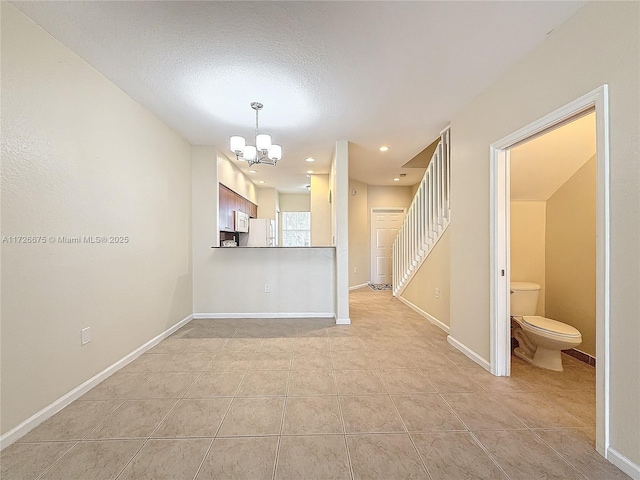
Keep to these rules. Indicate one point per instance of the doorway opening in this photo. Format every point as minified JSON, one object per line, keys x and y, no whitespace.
{"x":597,"y":102}
{"x":385,"y":225}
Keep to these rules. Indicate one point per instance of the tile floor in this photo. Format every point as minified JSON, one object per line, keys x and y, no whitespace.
{"x":384,"y":398}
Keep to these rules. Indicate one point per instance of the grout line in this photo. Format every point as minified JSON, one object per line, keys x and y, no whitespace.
{"x":344,"y":427}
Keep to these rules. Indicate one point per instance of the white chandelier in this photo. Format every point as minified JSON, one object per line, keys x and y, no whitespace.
{"x":263,"y":152}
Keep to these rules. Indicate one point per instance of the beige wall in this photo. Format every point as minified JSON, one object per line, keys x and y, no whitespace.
{"x":528,"y":221}
{"x":232,"y":177}
{"x":320,"y":211}
{"x":359,"y":236}
{"x":294,"y":202}
{"x":599,"y":45}
{"x":571,"y":255}
{"x":432,"y":274}
{"x":79,"y":157}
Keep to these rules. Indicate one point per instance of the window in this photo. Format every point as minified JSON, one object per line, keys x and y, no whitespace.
{"x":296,"y":229}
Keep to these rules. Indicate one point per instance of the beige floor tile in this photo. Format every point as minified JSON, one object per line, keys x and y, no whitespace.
{"x":431,"y":360}
{"x":524,"y":457}
{"x":322,"y":457}
{"x":391,"y":359}
{"x":310,"y":345}
{"x":188,"y":362}
{"x":28,"y":460}
{"x":455,"y":456}
{"x":374,"y":344}
{"x":311,"y":382}
{"x":271,"y":361}
{"x":253,"y":416}
{"x":165,"y":385}
{"x":311,"y":361}
{"x":224,"y":361}
{"x":425,"y":413}
{"x":171,"y":345}
{"x":312,"y":415}
{"x":167,"y":460}
{"x":73,"y":422}
{"x":580,"y":404}
{"x":148,"y":362}
{"x":577,"y":446}
{"x":535,"y":411}
{"x":452,"y":381}
{"x":370,"y":414}
{"x":358,"y":382}
{"x":96,"y":460}
{"x":342,"y":331}
{"x":194,"y":417}
{"x":276,"y":344}
{"x":133,"y":419}
{"x":264,"y":382}
{"x":345,"y":344}
{"x":352,"y":360}
{"x":406,"y":381}
{"x":206,"y":345}
{"x":242,"y":344}
{"x":482,"y":412}
{"x":215,"y":384}
{"x":384,"y":457}
{"x":492,"y":384}
{"x":117,"y":386}
{"x":240,"y":459}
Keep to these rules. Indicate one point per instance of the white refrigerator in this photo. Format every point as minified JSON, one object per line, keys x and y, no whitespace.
{"x":262,"y":232}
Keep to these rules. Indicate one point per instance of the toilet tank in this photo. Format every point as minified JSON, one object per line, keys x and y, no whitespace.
{"x":524,"y":298}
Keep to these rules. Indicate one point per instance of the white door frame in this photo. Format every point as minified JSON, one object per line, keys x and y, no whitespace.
{"x":598,"y":99}
{"x":372,"y":236}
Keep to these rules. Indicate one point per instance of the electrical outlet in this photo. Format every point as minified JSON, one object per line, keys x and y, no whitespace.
{"x":437,"y":293}
{"x":266,"y":288}
{"x":355,"y":269}
{"x":85,"y":336}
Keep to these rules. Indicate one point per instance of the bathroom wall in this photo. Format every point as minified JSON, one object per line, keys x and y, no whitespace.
{"x":571,"y":255}
{"x":528,"y":245}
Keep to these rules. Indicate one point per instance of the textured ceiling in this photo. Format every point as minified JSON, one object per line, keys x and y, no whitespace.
{"x":541,"y":166}
{"x":373,"y":73}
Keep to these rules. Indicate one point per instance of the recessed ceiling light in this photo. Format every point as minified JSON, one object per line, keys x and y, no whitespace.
{"x":309,"y":159}
{"x":384,"y":148}
{"x":397,"y":179}
{"x":261,"y":181}
{"x":309,"y":171}
{"x":252,"y":171}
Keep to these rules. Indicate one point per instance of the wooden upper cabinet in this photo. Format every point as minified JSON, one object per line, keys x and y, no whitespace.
{"x":228,"y":202}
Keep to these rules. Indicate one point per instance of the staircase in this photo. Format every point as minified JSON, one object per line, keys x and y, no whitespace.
{"x":427,"y":219}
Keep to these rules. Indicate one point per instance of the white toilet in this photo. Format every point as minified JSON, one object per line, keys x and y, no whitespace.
{"x":540,"y":339}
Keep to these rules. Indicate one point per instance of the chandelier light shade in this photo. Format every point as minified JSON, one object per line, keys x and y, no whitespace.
{"x":263,"y":151}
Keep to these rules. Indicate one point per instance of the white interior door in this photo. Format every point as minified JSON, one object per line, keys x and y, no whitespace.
{"x":385,"y":224}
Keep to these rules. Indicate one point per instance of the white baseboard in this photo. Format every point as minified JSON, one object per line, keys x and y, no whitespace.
{"x":265,"y":315}
{"x":426,"y":315}
{"x":623,"y":463}
{"x":50,"y":410}
{"x":343,"y":321}
{"x":469,"y":353}
{"x":355,"y":287}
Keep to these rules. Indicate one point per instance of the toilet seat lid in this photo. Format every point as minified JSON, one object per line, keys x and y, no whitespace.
{"x":548,"y":325}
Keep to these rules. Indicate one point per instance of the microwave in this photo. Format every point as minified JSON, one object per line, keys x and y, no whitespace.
{"x":241,"y":221}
